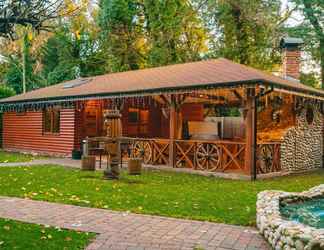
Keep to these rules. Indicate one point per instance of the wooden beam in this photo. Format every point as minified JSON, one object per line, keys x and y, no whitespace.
{"x":173,"y":131}
{"x":166,"y":100}
{"x":250,"y":131}
{"x":237,"y":95}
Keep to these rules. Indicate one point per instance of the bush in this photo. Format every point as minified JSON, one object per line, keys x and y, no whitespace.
{"x":6,"y":91}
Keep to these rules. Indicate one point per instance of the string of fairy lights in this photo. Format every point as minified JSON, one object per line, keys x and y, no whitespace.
{"x":222,"y":95}
{"x":115,"y":100}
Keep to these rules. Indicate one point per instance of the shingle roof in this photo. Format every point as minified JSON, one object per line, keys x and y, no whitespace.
{"x":195,"y":75}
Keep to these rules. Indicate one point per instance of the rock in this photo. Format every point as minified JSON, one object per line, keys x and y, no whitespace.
{"x":299,"y":245}
{"x":285,"y":234}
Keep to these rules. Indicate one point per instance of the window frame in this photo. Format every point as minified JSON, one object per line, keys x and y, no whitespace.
{"x":52,"y":130}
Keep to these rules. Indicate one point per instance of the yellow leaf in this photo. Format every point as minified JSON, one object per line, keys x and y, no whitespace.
{"x":30,"y":36}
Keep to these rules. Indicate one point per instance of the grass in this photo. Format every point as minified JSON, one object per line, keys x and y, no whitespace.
{"x":19,"y":235}
{"x":8,"y":157}
{"x":154,"y":192}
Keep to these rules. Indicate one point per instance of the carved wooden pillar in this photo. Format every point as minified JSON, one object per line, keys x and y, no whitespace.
{"x":250,"y":133}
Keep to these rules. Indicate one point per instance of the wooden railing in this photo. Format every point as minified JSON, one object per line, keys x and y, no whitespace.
{"x":152,"y":151}
{"x":196,"y":154}
{"x":210,"y":156}
{"x":268,"y":157}
{"x":220,"y":155}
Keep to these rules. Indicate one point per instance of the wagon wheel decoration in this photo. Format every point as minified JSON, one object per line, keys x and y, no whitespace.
{"x":265,"y":158}
{"x":207,"y":156}
{"x":142,"y":150}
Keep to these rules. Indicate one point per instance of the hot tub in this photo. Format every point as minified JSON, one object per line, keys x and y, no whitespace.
{"x":292,"y":220}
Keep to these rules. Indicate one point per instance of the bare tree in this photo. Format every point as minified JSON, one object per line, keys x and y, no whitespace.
{"x":34,"y":13}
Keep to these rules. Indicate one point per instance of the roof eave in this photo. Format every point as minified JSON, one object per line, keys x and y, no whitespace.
{"x":138,"y":92}
{"x":146,"y":92}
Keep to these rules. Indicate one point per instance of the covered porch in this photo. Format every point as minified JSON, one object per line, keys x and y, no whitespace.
{"x":212,"y":129}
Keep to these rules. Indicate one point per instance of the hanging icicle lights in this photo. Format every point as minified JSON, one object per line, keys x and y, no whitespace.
{"x":139,"y":99}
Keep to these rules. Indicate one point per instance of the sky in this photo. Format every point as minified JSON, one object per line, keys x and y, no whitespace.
{"x":296,"y":18}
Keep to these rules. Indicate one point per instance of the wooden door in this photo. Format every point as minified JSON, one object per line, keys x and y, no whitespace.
{"x":93,"y":119}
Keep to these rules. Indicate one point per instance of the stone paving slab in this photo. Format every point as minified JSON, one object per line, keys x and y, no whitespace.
{"x":127,"y":231}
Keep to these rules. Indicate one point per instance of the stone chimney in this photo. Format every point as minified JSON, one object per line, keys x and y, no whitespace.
{"x":291,"y":57}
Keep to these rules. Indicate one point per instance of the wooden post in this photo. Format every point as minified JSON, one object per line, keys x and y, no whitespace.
{"x":250,"y":137}
{"x":173,"y":131}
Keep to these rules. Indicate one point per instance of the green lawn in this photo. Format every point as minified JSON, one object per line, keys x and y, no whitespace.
{"x":7,"y":157}
{"x":154,"y":192}
{"x":18,"y":235}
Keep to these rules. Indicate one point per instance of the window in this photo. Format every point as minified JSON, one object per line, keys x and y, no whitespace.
{"x":133,"y":115}
{"x":138,"y":122}
{"x":51,"y":120}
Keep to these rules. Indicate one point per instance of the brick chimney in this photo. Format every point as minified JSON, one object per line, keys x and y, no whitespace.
{"x":291,"y":57}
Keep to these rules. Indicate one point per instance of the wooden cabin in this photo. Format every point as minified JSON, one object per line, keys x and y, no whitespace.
{"x":175,"y":116}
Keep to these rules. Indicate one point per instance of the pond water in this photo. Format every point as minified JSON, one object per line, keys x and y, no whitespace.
{"x":310,"y":212}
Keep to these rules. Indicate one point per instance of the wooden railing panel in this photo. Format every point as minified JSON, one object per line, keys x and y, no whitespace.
{"x":220,"y":155}
{"x":268,"y":157}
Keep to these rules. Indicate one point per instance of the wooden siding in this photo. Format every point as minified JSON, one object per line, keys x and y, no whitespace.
{"x":79,"y":134}
{"x":192,"y":112}
{"x":24,"y":132}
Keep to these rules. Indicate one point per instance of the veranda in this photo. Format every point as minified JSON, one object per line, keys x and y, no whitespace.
{"x":186,"y":129}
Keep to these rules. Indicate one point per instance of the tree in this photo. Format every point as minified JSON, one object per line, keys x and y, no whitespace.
{"x":123,"y":43}
{"x":34,"y":13}
{"x":246,"y":31}
{"x":175,"y":32}
{"x":72,"y":51}
{"x":138,"y":34}
{"x":310,"y":79}
{"x":312,"y":29}
{"x":20,"y":60}
{"x":6,"y":91}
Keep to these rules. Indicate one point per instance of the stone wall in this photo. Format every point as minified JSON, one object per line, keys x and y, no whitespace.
{"x":286,"y":234}
{"x":302,"y":146}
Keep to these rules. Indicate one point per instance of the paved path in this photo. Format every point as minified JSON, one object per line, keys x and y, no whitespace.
{"x":128,"y":231}
{"x":46,"y":161}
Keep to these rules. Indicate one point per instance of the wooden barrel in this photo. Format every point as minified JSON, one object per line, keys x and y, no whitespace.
{"x":88,"y":163}
{"x":134,"y":166}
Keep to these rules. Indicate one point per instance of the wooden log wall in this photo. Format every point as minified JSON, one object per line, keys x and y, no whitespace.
{"x":270,"y":129}
{"x":24,"y":132}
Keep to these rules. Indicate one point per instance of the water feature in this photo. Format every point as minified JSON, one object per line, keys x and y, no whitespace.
{"x":309,"y":212}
